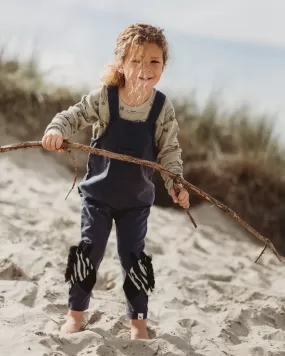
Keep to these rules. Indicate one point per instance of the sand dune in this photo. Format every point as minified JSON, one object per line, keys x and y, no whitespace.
{"x":210,"y":298}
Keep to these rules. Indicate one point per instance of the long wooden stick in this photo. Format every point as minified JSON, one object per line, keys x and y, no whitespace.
{"x":177,"y":179}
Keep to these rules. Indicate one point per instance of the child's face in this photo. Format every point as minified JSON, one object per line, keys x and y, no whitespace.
{"x":143,"y":66}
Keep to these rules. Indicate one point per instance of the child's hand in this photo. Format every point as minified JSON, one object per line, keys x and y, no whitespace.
{"x":52,"y":140}
{"x":182,"y":199}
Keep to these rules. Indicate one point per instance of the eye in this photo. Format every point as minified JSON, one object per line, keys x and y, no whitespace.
{"x":155,"y":61}
{"x":135,"y":60}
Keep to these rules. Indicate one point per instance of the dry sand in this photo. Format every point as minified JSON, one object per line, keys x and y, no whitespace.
{"x":210,"y":298}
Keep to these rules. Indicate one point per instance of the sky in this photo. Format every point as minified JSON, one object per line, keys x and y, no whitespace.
{"x":236,"y":46}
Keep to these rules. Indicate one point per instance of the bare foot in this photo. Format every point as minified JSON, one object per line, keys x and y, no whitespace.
{"x":138,"y":329}
{"x":74,"y":322}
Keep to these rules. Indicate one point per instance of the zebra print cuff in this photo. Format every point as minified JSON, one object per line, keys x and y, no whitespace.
{"x":140,"y":277}
{"x":80,"y":269}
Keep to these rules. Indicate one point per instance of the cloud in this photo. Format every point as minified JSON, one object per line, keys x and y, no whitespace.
{"x":256,"y":21}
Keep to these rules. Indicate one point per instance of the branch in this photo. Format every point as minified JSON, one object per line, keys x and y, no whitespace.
{"x":68,"y":151}
{"x":176,"y":178}
{"x":262,"y":252}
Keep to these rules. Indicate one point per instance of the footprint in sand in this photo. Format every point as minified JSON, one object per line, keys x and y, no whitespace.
{"x":258,"y":351}
{"x":9,"y":271}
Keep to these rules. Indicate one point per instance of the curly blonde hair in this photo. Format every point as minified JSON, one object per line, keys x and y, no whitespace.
{"x":135,"y":34}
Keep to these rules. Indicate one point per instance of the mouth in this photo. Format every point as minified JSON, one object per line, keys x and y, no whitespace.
{"x":145,"y":79}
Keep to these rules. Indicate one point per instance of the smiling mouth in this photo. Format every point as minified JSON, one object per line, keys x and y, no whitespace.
{"x":145,"y":79}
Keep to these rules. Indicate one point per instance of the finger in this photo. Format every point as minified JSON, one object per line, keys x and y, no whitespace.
{"x":184,"y":201}
{"x":47,"y":142}
{"x":53,"y":142}
{"x":58,"y":142}
{"x":182,"y":193}
{"x":185,"y":206}
{"x":183,"y":197}
{"x":44,"y":142}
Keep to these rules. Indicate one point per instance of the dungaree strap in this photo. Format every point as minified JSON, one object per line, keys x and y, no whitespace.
{"x":113,"y":100}
{"x":156,"y":109}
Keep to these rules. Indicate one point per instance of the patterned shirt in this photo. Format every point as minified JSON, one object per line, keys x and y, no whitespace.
{"x":93,"y":109}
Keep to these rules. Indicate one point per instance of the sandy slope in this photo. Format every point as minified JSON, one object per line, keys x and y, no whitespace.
{"x":210,"y":298}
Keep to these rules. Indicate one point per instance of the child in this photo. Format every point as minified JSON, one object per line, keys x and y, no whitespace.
{"x":129,"y":116}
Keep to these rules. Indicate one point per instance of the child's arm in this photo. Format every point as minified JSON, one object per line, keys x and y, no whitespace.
{"x":169,"y":156}
{"x":76,"y":117}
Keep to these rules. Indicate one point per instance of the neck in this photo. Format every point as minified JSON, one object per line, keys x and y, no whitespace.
{"x":132,"y":97}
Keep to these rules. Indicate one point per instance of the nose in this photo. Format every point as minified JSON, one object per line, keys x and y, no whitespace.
{"x":145,"y":69}
{"x":145,"y":65}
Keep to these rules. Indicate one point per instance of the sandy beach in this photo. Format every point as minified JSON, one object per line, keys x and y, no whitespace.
{"x":210,"y":299}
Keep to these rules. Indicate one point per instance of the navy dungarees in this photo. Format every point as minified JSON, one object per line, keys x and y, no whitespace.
{"x":123,"y":192}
